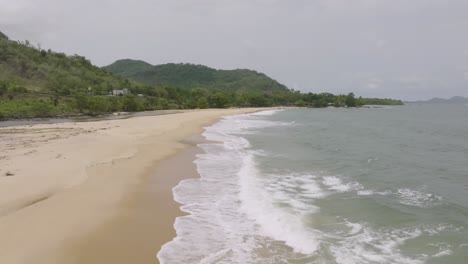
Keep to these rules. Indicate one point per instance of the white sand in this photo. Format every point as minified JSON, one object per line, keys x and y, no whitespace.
{"x":65,"y":181}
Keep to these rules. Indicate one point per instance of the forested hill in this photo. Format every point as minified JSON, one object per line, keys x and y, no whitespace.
{"x":41,"y":83}
{"x":26,"y":70}
{"x":188,"y":76}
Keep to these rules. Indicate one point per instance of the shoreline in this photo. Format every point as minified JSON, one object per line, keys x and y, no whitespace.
{"x":81,"y":195}
{"x":149,"y":230}
{"x":84,"y":118}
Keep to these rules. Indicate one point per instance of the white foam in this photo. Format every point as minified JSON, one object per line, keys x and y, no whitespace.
{"x":228,"y":213}
{"x":236,"y":211}
{"x":336,"y":184}
{"x":331,"y":181}
{"x":405,"y":195}
{"x":267,"y":112}
{"x":442,"y":253}
{"x":418,"y":198}
{"x":363,"y":244}
{"x":213,"y":230}
{"x":312,"y":190}
{"x":443,"y":248}
{"x":365,"y":192}
{"x":284,"y":224}
{"x":355,"y":227}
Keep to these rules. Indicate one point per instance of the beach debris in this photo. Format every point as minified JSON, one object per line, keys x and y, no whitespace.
{"x":9,"y":174}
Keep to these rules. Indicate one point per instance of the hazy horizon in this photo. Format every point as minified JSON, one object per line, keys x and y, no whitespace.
{"x":374,"y":48}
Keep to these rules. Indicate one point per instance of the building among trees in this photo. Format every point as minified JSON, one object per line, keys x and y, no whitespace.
{"x":120,"y":92}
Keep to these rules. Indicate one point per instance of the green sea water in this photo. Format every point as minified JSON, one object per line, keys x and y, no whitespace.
{"x":378,"y":185}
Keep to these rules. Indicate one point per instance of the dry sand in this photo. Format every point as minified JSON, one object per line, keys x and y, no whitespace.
{"x":95,"y":192}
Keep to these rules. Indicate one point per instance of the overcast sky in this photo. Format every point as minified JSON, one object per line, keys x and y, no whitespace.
{"x":407,"y":49}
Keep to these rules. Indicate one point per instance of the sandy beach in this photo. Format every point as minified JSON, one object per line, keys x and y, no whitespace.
{"x":95,"y":192}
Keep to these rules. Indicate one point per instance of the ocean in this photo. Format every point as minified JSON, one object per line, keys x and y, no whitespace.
{"x":367,"y":185}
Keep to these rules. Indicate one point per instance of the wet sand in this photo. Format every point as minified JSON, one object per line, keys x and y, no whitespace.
{"x":137,"y":233}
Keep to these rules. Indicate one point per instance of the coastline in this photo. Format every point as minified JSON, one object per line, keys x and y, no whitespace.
{"x":84,"y":192}
{"x":137,"y":234}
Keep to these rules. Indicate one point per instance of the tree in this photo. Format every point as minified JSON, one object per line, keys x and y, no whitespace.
{"x":258,"y":100}
{"x":81,"y":102}
{"x":198,"y":93}
{"x":97,"y":105}
{"x":130,"y":103}
{"x":115,"y":104}
{"x":300,"y":103}
{"x":218,"y":100}
{"x":202,"y":103}
{"x":41,"y":109}
{"x":163,"y":104}
{"x":350,"y":100}
{"x":3,"y":88}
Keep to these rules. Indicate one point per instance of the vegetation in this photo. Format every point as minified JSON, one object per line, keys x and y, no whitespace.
{"x":38,"y":71}
{"x":189,"y":76}
{"x":379,"y":101}
{"x":39,"y":83}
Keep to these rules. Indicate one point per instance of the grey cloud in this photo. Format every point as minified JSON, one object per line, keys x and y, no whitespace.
{"x":371,"y":47}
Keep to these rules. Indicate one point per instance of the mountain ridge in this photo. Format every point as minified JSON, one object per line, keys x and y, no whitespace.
{"x":188,"y":76}
{"x":437,"y":100}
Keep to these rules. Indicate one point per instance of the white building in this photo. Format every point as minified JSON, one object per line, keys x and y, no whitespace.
{"x":120,"y":92}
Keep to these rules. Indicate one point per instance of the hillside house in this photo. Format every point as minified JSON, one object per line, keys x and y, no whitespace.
{"x":120,"y":92}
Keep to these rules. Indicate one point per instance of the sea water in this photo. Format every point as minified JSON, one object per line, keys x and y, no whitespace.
{"x":378,"y":185}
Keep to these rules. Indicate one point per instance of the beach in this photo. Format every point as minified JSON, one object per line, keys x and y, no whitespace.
{"x":95,"y":192}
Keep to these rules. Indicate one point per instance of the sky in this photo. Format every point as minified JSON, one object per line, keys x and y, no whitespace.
{"x":405,"y":49}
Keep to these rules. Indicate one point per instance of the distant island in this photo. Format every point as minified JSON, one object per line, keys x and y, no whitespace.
{"x":452,"y":100}
{"x":42,"y":83}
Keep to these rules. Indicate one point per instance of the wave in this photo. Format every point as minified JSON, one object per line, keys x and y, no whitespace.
{"x":238,"y":213}
{"x":267,"y":112}
{"x":260,"y":204}
{"x":336,"y":184}
{"x":365,"y":244}
{"x":217,"y":229}
{"x":418,"y":198}
{"x":407,"y":196}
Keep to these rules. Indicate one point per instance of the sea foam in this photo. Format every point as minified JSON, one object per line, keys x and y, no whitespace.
{"x":238,"y":213}
{"x":229,"y":218}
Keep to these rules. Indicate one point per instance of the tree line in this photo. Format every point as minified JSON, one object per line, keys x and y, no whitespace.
{"x":19,"y":103}
{"x":41,"y":83}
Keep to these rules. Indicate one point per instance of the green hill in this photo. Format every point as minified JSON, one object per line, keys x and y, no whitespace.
{"x":189,"y":76}
{"x":42,"y":83}
{"x":27,"y":68}
{"x":128,"y":67}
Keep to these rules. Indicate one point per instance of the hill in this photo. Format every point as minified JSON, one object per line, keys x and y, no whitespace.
{"x":42,"y":83}
{"x":128,"y":67}
{"x":25,"y":69}
{"x":452,"y":100}
{"x":189,"y":76}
